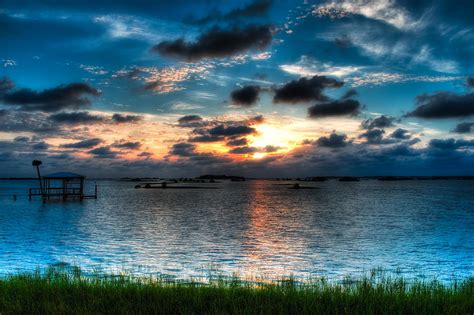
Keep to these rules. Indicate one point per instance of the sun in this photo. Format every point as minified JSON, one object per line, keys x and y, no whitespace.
{"x":259,"y":155}
{"x":270,"y":135}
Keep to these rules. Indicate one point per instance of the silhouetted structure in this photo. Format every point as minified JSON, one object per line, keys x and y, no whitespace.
{"x":63,"y":185}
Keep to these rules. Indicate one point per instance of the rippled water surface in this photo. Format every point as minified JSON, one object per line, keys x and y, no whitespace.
{"x":252,"y":228}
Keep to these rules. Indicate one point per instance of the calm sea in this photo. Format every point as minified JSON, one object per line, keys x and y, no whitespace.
{"x":417,"y":228}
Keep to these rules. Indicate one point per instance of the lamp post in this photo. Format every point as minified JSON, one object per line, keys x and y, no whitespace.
{"x":37,"y":163}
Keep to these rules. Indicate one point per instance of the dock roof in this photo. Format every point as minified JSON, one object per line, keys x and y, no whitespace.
{"x":64,"y":175}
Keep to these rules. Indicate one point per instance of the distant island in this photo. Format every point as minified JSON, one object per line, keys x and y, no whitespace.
{"x":214,"y":177}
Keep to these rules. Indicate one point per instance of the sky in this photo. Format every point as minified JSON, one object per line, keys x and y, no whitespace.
{"x":257,"y":88}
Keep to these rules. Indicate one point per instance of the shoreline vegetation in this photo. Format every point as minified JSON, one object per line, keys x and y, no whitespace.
{"x":60,"y":291}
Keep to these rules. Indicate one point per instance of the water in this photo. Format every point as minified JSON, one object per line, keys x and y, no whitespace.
{"x":418,"y":228}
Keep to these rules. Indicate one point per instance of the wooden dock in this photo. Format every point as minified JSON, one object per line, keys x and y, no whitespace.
{"x":64,"y":185}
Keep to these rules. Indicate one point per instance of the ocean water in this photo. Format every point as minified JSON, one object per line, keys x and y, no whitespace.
{"x":252,"y":228}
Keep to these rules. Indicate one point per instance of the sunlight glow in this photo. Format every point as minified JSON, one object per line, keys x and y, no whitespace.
{"x":259,"y":155}
{"x":269,"y":135}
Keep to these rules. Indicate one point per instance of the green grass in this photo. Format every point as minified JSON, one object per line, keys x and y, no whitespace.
{"x":69,"y":292}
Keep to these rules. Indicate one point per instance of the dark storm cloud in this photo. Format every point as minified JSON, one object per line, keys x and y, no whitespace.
{"x":189,"y":118}
{"x":333,"y":141}
{"x":130,"y":145}
{"x":217,"y":43}
{"x":226,"y":131}
{"x":400,"y":150}
{"x":450,"y":144}
{"x":253,"y":9}
{"x":305,"y":90}
{"x":190,"y":121}
{"x":145,"y":155}
{"x":218,"y":130}
{"x":119,"y":118}
{"x":374,"y":136}
{"x":465,"y":127}
{"x":237,"y":142}
{"x":470,"y":81}
{"x":443,"y":105}
{"x":84,"y":144}
{"x":206,"y":138}
{"x":103,"y":152}
{"x":401,"y":134}
{"x":75,"y":118}
{"x":243,"y":150}
{"x":14,"y":121}
{"x":246,"y":96}
{"x":71,"y":96}
{"x":183,"y":149}
{"x":271,"y":148}
{"x":379,"y":122}
{"x":335,"y":108}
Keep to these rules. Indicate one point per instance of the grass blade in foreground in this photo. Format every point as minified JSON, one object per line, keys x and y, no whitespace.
{"x":56,"y":292}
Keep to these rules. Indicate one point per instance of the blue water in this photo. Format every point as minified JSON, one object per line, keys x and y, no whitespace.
{"x":417,"y":228}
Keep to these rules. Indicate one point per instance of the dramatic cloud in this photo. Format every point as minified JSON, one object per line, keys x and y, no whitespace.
{"x":15,"y":121}
{"x":237,"y":142}
{"x":84,"y":144}
{"x":443,"y":105}
{"x":227,"y":131}
{"x":333,"y":141}
{"x":243,"y":150}
{"x":470,"y":81}
{"x":76,"y":118}
{"x":103,"y":152}
{"x":305,"y":90}
{"x":183,"y":149}
{"x":119,"y":118}
{"x":465,"y":127}
{"x":246,"y":96}
{"x":401,"y":134}
{"x":71,"y":96}
{"x":130,"y":145}
{"x":206,"y":138}
{"x":145,"y":155}
{"x":220,"y":130}
{"x":374,"y":136}
{"x":190,"y":121}
{"x":335,"y":108}
{"x":379,"y":122}
{"x":450,"y":144}
{"x":217,"y":43}
{"x":271,"y":148}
